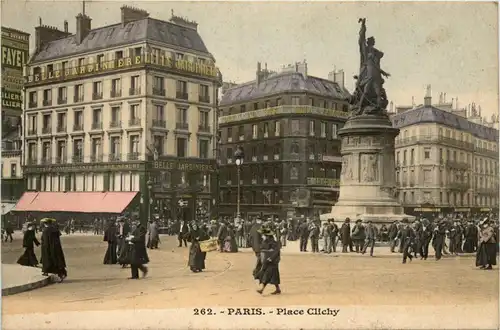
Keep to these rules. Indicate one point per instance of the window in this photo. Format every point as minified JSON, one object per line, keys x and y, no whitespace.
{"x":96,"y":149}
{"x":311,"y":128}
{"x":412,"y":156}
{"x":115,"y":147}
{"x":160,"y":112}
{"x":46,"y":152}
{"x":241,"y":132}
{"x":181,"y":88}
{"x":255,"y":131}
{"x":97,"y":90}
{"x":295,"y":126}
{"x":81,"y":62}
{"x":115,"y":115}
{"x":181,"y":147}
{"x":243,"y":109}
{"x":179,"y":56}
{"x":427,"y":153}
{"x":100,"y":59}
{"x":204,"y":120}
{"x":96,"y":119}
{"x":159,"y":85}
{"x":266,"y":129}
{"x":294,"y":173}
{"x":32,"y":152}
{"x":159,"y":144}
{"x":294,"y":149}
{"x":78,"y":120}
{"x":229,"y":153}
{"x":229,"y":134}
{"x":134,"y":84}
{"x":404,"y":158}
{"x":61,"y":151}
{"x":323,"y":129}
{"x":137,"y":51}
{"x":334,"y":131}
{"x":46,"y":122}
{"x":33,"y":99}
{"x":203,"y":148}
{"x":78,"y":148}
{"x":134,"y":111}
{"x":204,"y":95}
{"x":182,"y":116}
{"x":79,"y":93}
{"x":62,"y":95}
{"x":47,"y":97}
{"x":116,"y":87}
{"x":256,"y":106}
{"x":277,"y":128}
{"x":295,"y":100}
{"x":64,"y":66}
{"x":61,"y":122}
{"x":13,"y":170}
{"x":311,"y":101}
{"x":134,"y":145}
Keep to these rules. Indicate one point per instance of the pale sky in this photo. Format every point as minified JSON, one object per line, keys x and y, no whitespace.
{"x":451,"y":45}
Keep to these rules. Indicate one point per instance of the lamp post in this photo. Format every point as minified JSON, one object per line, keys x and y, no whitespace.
{"x":238,"y":155}
{"x":150,"y":201}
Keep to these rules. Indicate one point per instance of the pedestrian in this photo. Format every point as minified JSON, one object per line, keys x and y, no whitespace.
{"x":358,"y":235}
{"x":486,"y":252}
{"x":8,"y":230}
{"x":303,"y":235}
{"x":314,"y":236}
{"x":183,"y":231}
{"x":283,"y":232}
{"x":326,"y":236}
{"x":370,"y":237}
{"x":255,"y":242}
{"x":425,"y":239}
{"x":29,"y":241}
{"x":407,"y":237}
{"x":111,"y":237}
{"x":196,"y":261}
{"x":138,"y":254}
{"x":439,"y":238}
{"x":471,"y":237}
{"x":53,"y":261}
{"x":153,"y":235}
{"x":334,"y":231}
{"x":345,"y":234}
{"x":222,"y":235}
{"x":269,"y":272}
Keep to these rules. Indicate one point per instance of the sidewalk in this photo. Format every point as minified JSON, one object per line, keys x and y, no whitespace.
{"x":17,"y":279}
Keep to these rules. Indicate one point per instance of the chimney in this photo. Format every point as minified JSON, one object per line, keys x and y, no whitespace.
{"x":413,"y":101}
{"x":258,"y":73}
{"x":444,"y":98}
{"x":440,"y":98}
{"x":428,"y":97}
{"x":83,"y":27}
{"x":184,"y":22}
{"x":45,"y":34}
{"x":65,"y":26}
{"x":338,"y":77}
{"x":131,"y":14}
{"x":456,"y":102}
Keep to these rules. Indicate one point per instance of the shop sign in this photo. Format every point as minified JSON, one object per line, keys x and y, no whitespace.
{"x":84,"y":168}
{"x":182,"y":166}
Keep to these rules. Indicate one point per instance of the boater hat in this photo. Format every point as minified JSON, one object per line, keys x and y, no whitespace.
{"x":48,"y":220}
{"x":266,"y":231}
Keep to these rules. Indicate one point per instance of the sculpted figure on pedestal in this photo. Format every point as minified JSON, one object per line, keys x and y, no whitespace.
{"x":369,"y":96}
{"x":369,"y":169}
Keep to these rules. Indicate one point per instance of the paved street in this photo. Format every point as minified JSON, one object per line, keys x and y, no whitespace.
{"x":307,"y":280}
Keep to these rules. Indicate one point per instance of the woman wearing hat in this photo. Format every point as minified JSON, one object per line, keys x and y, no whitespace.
{"x":29,"y":241}
{"x":53,"y":261}
{"x":269,"y":272}
{"x":197,"y":258}
{"x":486,"y":252}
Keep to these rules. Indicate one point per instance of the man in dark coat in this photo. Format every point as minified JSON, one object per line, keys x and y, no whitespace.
{"x":334,"y":231}
{"x":53,"y":261}
{"x":183,"y":232}
{"x":407,"y":236}
{"x":29,"y":241}
{"x":222,"y":233}
{"x":471,"y":235}
{"x":358,"y":235}
{"x":425,"y":239}
{"x":345,"y":235}
{"x":303,"y":235}
{"x":393,"y":233}
{"x":8,"y":230}
{"x":110,"y":236}
{"x":438,"y":240}
{"x":138,"y":254}
{"x":314,"y":232}
{"x":370,"y":237}
{"x":255,"y":242}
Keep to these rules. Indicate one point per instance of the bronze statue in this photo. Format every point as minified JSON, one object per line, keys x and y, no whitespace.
{"x":369,"y":96}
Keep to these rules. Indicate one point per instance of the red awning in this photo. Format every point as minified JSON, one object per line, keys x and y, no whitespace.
{"x":75,"y":201}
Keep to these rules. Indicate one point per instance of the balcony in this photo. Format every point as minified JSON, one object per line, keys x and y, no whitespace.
{"x":77,"y":127}
{"x":32,"y":131}
{"x":134,"y":91}
{"x":486,"y":152}
{"x":133,"y":156}
{"x":487,"y":191}
{"x":334,"y":183}
{"x":62,"y":101}
{"x":61,"y":128}
{"x":96,"y":126}
{"x":460,"y":186}
{"x":333,"y":159}
{"x":46,"y":161}
{"x":78,"y":159}
{"x":32,"y":161}
{"x":33,"y":104}
{"x":182,"y":126}
{"x":459,"y":165}
{"x":47,"y":103}
{"x":96,"y":158}
{"x":204,"y":128}
{"x":204,"y":98}
{"x":181,"y":95}
{"x":46,"y":130}
{"x":61,"y":160}
{"x":134,"y":122}
{"x":159,"y":123}
{"x":115,"y":157}
{"x":116,"y":93}
{"x":159,"y":91}
{"x":78,"y":98}
{"x":115,"y":124}
{"x":97,"y":96}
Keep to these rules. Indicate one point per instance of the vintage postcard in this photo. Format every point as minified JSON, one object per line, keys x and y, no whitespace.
{"x":249,"y":165}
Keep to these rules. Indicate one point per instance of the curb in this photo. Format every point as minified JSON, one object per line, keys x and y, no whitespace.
{"x":28,"y":286}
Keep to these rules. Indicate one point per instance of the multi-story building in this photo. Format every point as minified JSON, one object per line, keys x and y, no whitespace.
{"x":445,"y":161}
{"x":15,"y":52}
{"x":287,"y":125}
{"x":124,"y":107}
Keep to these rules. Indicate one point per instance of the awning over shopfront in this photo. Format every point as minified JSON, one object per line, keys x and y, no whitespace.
{"x":7,"y":207}
{"x":84,"y":202}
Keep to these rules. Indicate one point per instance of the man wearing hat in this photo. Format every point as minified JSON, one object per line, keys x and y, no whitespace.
{"x":425,"y":238}
{"x":439,"y":237}
{"x":255,"y":242}
{"x":486,"y":253}
{"x":270,"y":258}
{"x":29,"y":241}
{"x":358,"y":235}
{"x":345,"y":235}
{"x":407,"y":237}
{"x":371,"y":235}
{"x":393,"y":233}
{"x":53,"y":261}
{"x":304,"y":235}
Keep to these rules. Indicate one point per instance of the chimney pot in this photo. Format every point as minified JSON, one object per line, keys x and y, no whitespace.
{"x":65,"y":26}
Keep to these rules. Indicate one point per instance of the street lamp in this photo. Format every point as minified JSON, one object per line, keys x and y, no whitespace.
{"x":238,"y":155}
{"x":150,"y":186}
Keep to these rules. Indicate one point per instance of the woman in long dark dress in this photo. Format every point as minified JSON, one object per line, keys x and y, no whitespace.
{"x":29,"y":241}
{"x":53,"y":261}
{"x":270,"y":257}
{"x":486,"y":256}
{"x":110,"y":236}
{"x":124,"y":246}
{"x":230,"y":244}
{"x":138,"y":253}
{"x":197,"y":258}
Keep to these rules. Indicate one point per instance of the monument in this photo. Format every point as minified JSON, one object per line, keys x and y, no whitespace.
{"x":368,"y":177}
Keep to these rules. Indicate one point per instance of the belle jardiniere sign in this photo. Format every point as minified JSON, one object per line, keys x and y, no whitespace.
{"x":196,"y":68}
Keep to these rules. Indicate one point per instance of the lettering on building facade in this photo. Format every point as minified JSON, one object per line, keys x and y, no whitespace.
{"x":182,"y":166}
{"x":129,"y":62}
{"x":84,"y":168}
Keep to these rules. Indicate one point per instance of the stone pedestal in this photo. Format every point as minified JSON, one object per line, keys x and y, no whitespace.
{"x":368,"y":177}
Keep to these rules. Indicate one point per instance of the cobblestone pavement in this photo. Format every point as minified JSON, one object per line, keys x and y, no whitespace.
{"x":306,"y":280}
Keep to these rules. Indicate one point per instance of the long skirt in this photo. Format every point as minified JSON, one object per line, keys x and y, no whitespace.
{"x":230,"y":245}
{"x":125,"y":252}
{"x":269,"y":274}
{"x":197,"y":258}
{"x":486,"y":255}
{"x":469,"y":245}
{"x":28,"y":258}
{"x":110,"y":257}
